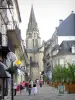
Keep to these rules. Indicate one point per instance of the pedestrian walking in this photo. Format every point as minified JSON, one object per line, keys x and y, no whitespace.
{"x":40,"y":82}
{"x":26,"y":85}
{"x":29,"y":89}
{"x":21,"y":88}
{"x":34,"y":89}
{"x":37,"y":81}
{"x":31,"y":82}
{"x":15,"y":88}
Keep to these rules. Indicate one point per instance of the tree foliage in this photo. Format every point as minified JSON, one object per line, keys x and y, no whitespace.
{"x":63,"y":73}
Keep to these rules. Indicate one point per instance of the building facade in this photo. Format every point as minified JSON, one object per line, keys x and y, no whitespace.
{"x":34,"y":48}
{"x":10,"y":41}
{"x":60,"y":48}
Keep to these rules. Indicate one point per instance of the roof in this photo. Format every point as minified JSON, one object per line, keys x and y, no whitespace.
{"x":67,"y":27}
{"x":32,"y":25}
{"x":65,"y":46}
{"x":18,"y":11}
{"x":35,"y":50}
{"x":56,"y":47}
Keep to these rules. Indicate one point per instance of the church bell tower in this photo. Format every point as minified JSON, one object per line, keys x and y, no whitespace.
{"x":33,"y":43}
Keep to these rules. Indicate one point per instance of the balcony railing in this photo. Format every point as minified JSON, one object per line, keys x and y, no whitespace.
{"x":3,"y":40}
{"x":14,"y":34}
{"x":5,"y":45}
{"x":34,"y":64}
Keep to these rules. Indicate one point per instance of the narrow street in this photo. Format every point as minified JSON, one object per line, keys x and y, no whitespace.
{"x":45,"y":93}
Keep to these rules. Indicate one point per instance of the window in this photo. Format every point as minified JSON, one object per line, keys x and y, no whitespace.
{"x":30,"y":34}
{"x":33,"y":42}
{"x":36,"y":42}
{"x":30,"y":58}
{"x":61,"y":61}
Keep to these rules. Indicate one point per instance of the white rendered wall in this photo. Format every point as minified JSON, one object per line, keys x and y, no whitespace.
{"x":65,"y":38}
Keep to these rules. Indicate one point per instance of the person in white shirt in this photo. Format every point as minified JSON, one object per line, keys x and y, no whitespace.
{"x":15,"y":87}
{"x":31,"y":82}
{"x":34,"y":88}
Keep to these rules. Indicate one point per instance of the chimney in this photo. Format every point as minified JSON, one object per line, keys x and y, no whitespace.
{"x":72,"y":12}
{"x":60,"y":21}
{"x":56,"y":28}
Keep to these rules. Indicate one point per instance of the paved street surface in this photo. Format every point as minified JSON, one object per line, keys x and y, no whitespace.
{"x":45,"y":93}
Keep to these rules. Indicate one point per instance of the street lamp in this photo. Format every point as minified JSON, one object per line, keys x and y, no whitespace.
{"x":12,"y":58}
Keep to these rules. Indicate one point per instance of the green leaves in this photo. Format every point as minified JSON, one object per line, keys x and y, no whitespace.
{"x":61,"y":73}
{"x":46,"y":78}
{"x":12,"y":70}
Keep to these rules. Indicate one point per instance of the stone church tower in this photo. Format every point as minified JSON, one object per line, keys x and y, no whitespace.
{"x":34,"y":48}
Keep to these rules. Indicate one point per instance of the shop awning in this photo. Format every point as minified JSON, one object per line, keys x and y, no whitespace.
{"x":3,"y":72}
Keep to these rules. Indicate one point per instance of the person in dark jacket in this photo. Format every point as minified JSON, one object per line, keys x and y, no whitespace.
{"x":26,"y":85}
{"x":29,"y":89}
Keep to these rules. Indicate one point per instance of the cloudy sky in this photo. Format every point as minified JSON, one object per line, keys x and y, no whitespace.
{"x":47,"y":13}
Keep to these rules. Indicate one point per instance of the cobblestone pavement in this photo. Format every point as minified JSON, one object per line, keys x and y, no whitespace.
{"x":45,"y":93}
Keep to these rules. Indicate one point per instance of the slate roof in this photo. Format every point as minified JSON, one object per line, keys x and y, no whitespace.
{"x":56,"y":47}
{"x":65,"y":46}
{"x":34,"y":50}
{"x":67,"y":27}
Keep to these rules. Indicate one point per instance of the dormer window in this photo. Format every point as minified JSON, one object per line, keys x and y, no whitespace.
{"x":30,"y":34}
{"x":73,"y":49}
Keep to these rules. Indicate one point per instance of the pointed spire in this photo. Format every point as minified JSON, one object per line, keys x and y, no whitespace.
{"x":32,"y":16}
{"x":32,"y":21}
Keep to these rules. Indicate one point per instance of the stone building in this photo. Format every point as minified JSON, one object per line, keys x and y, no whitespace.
{"x":63,"y":41}
{"x":10,"y":41}
{"x":34,"y":48}
{"x":60,"y":49}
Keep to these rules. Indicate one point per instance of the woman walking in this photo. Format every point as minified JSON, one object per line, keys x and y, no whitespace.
{"x":40,"y":82}
{"x":34,"y":88}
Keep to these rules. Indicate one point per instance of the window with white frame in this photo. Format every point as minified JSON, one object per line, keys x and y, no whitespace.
{"x":61,"y":61}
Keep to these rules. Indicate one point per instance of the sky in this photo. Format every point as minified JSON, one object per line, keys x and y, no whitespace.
{"x":47,"y":14}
